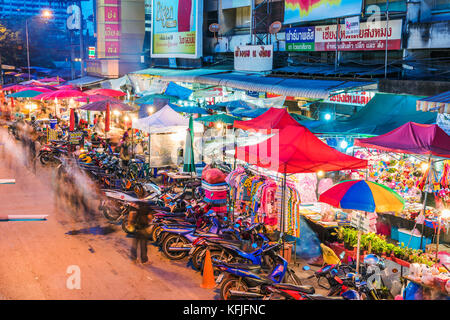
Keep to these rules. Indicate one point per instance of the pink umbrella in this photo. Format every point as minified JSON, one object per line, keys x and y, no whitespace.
{"x":66,"y":87}
{"x":107,"y":92}
{"x":95,"y":98}
{"x":113,"y":104}
{"x":15,"y":87}
{"x":40,"y":89}
{"x":60,"y":94}
{"x":53,"y":79}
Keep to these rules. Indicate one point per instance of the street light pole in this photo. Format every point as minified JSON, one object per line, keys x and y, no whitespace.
{"x":28,"y":49}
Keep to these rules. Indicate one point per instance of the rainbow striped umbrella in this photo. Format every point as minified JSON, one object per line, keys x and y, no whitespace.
{"x":363,"y":195}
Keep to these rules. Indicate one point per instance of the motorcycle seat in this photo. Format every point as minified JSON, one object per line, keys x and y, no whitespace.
{"x":321,"y":297}
{"x":246,"y":266}
{"x":225,"y":241}
{"x":301,"y":288}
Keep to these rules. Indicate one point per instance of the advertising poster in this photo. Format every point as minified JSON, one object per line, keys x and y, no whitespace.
{"x":176,"y":28}
{"x":300,"y":39}
{"x":310,"y":10}
{"x":352,"y":26}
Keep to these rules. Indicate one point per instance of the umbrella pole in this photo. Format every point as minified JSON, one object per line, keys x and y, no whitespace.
{"x":149,"y":143}
{"x":235,"y":146}
{"x":358,"y":248}
{"x":425,"y":199}
{"x":283,"y":206}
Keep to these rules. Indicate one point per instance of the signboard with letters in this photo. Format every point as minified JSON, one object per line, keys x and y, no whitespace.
{"x":253,"y":58}
{"x":359,"y":98}
{"x":75,"y":137}
{"x":357,"y":37}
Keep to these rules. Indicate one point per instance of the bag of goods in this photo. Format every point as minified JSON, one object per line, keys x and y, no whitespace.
{"x":441,"y":281}
{"x":213,"y":175}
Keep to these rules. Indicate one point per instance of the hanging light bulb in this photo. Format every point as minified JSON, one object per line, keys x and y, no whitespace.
{"x":116,"y":112}
{"x":320,"y":174}
{"x":344,"y":144}
{"x":150,"y":109}
{"x":424,"y":166}
{"x":218,"y":125}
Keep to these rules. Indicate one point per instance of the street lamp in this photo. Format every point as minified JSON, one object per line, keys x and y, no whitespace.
{"x":45,"y":14}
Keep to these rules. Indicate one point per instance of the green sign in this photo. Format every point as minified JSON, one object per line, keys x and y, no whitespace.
{"x":299,"y":46}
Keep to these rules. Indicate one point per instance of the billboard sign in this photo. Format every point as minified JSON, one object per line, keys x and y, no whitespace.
{"x":253,"y":58}
{"x":300,"y":39}
{"x":352,"y":26}
{"x":370,"y":37}
{"x":296,"y":11}
{"x":176,"y":28}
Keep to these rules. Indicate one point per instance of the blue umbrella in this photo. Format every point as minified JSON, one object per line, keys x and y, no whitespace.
{"x":152,"y":97}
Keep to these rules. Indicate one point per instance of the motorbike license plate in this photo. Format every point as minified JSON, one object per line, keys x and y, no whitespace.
{"x":220,"y":278}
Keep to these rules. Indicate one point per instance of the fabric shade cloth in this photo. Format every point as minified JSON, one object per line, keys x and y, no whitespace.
{"x":232,"y":105}
{"x":150,"y":99}
{"x":25,"y":94}
{"x":164,"y":121}
{"x":363,"y":195}
{"x":40,"y":89}
{"x":295,"y":149}
{"x":60,"y":94}
{"x":221,"y":117}
{"x":273,"y":118}
{"x":197,"y":110}
{"x":101,"y":105}
{"x":106,"y":92}
{"x":178,"y":91}
{"x":66,"y":87}
{"x":254,"y":113}
{"x":411,"y":138}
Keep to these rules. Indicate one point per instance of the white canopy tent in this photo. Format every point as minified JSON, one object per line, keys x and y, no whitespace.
{"x":166,"y":121}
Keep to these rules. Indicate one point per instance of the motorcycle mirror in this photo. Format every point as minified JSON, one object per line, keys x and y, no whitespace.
{"x":306,"y":268}
{"x":237,"y":225}
{"x":334,"y":272}
{"x":225,"y":218}
{"x":254,"y":245}
{"x":342,"y":255}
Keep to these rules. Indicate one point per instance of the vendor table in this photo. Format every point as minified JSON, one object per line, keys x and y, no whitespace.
{"x":176,"y":177}
{"x":400,"y":222}
{"x":324,"y":232}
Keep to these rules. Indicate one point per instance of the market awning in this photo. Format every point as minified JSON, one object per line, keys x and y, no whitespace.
{"x":178,"y":75}
{"x":84,"y":81}
{"x":176,"y":90}
{"x":221,"y":117}
{"x":438,"y":103}
{"x":383,"y":113}
{"x":412,"y":138}
{"x":295,"y":149}
{"x":313,"y":89}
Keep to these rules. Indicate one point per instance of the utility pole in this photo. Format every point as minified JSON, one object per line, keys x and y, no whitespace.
{"x":28,"y":50}
{"x":336,"y":58}
{"x":81,"y":42}
{"x":386,"y":49}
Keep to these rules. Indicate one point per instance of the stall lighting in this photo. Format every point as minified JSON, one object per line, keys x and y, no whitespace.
{"x":320,"y":174}
{"x":126,"y":118}
{"x":150,"y":109}
{"x":327,"y":116}
{"x":218,"y":125}
{"x":445,"y":214}
{"x":424,"y":166}
{"x":344,"y":144}
{"x":116,"y":112}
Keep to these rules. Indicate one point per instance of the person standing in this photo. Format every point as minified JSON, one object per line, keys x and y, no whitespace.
{"x":125,"y":153}
{"x":141,"y":221}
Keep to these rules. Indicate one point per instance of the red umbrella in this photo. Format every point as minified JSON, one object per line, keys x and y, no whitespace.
{"x":72,"y":119}
{"x":60,"y":94}
{"x":108,"y":111}
{"x":107,"y":92}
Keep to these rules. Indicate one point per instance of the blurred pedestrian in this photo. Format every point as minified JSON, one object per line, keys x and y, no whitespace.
{"x":140,"y":221}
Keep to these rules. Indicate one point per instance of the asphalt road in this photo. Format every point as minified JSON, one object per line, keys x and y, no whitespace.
{"x":37,"y":258}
